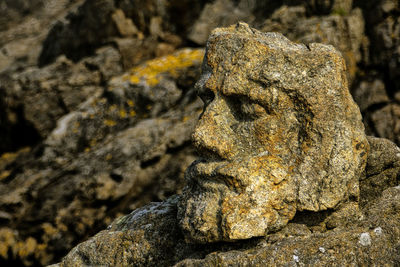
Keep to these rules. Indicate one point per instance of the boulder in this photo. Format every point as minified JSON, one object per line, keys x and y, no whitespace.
{"x":279,"y":133}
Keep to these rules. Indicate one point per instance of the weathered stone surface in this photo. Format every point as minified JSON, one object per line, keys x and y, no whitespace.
{"x":382,"y":170}
{"x":279,"y":133}
{"x":32,"y":103}
{"x":370,"y":94}
{"x":23,"y":27}
{"x":218,"y":14}
{"x":373,"y":241}
{"x":51,"y":92}
{"x":96,"y":23}
{"x":150,"y":236}
{"x":125,"y":145}
{"x":383,"y":28}
{"x":345,"y":237}
{"x":324,"y":7}
{"x":383,"y":31}
{"x":344,"y":30}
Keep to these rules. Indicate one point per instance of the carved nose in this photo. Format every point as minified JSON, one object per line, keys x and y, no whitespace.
{"x":213,"y":133}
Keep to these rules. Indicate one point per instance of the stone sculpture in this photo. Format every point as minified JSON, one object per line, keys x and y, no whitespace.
{"x":279,"y":133}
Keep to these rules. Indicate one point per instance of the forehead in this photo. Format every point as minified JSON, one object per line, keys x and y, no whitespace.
{"x":243,"y":68}
{"x":260,"y":67}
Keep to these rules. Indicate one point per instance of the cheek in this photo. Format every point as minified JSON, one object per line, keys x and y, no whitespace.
{"x":267,"y":130}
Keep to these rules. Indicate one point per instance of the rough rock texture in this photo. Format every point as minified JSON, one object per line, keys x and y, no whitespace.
{"x":279,"y":132}
{"x":373,"y":241}
{"x":24,"y":25}
{"x":344,"y":30}
{"x":139,"y":33}
{"x":125,"y":145}
{"x":154,"y":226}
{"x":383,"y":30}
{"x":81,"y":44}
{"x":220,"y":13}
{"x":346,"y":237}
{"x":382,"y":171}
{"x":51,"y":92}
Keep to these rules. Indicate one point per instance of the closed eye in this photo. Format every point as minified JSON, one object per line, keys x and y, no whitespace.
{"x":245,"y":109}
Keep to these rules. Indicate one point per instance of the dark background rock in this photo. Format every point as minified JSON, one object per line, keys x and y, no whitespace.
{"x":58,"y":57}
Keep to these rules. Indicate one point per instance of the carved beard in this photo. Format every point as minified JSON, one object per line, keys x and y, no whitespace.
{"x":200,"y":199}
{"x":211,"y":210}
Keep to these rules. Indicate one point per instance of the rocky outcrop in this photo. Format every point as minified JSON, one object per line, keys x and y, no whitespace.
{"x":83,"y":44}
{"x":383,"y":30}
{"x":122,"y":147}
{"x":279,"y":133}
{"x":344,"y":233}
{"x":346,"y":237}
{"x":139,"y":33}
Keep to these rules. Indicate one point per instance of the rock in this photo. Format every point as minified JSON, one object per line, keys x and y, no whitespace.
{"x":46,"y":94}
{"x":80,"y":33}
{"x":324,"y":7}
{"x":26,"y":26}
{"x":344,"y":31}
{"x":218,"y":14}
{"x":125,"y":26}
{"x":70,"y":158}
{"x":150,"y":235}
{"x":23,"y":27}
{"x":383,"y":29}
{"x":386,"y":122}
{"x":124,"y":146}
{"x":369,"y":94}
{"x":97,"y":23}
{"x":271,"y":142}
{"x":342,"y":234}
{"x":14,"y":11}
{"x":382,"y":170}
{"x":136,"y":239}
{"x":353,"y":246}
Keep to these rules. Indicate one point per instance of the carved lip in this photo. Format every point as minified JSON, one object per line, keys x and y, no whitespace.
{"x":207,"y":167}
{"x":206,"y":174}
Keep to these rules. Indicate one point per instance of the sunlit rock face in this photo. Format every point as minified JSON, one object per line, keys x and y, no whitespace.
{"x":279,"y":133}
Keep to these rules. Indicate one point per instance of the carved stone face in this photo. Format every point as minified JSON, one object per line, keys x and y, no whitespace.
{"x":268,"y":143}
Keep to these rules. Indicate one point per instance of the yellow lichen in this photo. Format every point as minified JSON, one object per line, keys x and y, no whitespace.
{"x":132,"y":113}
{"x":110,"y":122}
{"x":4,"y":174}
{"x":62,"y":227}
{"x":3,"y":250}
{"x":49,"y":229}
{"x":7,"y":241}
{"x":122,"y":113}
{"x":112,"y":108}
{"x":9,"y":156}
{"x":26,"y":248}
{"x":171,"y":64}
{"x":108,"y":157}
{"x":130,"y":103}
